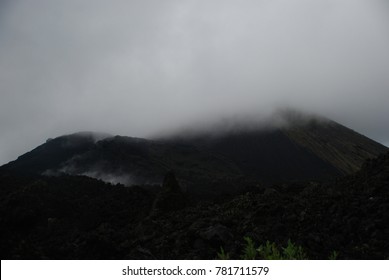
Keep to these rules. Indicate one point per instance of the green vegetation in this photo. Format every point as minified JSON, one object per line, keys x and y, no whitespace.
{"x":222,"y":255}
{"x":293,"y":252}
{"x":270,"y":251}
{"x":249,"y":251}
{"x":334,"y":255}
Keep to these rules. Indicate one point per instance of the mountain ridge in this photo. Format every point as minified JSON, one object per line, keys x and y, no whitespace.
{"x":298,"y":148}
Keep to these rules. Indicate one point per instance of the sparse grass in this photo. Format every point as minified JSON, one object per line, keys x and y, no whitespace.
{"x":293,"y":252}
{"x":334,"y":255}
{"x":222,"y":255}
{"x":249,"y":251}
{"x":270,"y":251}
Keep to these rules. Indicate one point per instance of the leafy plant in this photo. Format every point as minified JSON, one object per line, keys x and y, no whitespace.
{"x":269,"y":251}
{"x":293,"y":252}
{"x":222,"y":255}
{"x":334,"y":255}
{"x":249,"y":251}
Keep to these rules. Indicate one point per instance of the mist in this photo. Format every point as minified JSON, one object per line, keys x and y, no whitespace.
{"x":140,"y":68}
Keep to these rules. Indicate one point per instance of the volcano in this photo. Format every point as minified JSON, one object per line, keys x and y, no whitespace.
{"x":269,"y":182}
{"x":297,"y":148}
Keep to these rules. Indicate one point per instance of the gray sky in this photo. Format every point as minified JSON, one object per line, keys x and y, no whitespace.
{"x":140,"y":67}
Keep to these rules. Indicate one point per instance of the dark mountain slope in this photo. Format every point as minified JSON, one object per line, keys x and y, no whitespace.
{"x":298,"y":148}
{"x":126,"y":160}
{"x":139,"y":161}
{"x":67,"y":217}
{"x":53,"y":153}
{"x":350,"y":216}
{"x":82,"y":218}
{"x":268,"y":156}
{"x":338,"y":145}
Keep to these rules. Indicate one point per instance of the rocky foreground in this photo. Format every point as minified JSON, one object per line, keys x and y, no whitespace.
{"x":81,"y":218}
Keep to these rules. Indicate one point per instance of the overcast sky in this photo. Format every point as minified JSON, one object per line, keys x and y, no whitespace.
{"x":139,"y":67}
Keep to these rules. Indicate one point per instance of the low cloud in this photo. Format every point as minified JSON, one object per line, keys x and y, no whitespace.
{"x":141,"y":67}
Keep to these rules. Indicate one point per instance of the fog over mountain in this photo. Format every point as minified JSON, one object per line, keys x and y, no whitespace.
{"x":140,"y":68}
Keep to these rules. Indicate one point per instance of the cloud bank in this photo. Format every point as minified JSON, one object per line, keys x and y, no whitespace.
{"x":142,"y":67}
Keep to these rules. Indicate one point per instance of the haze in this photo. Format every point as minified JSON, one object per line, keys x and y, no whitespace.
{"x":138,"y":68}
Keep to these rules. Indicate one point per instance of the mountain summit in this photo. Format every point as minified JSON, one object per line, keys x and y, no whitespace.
{"x":295,"y":147}
{"x":288,"y":146}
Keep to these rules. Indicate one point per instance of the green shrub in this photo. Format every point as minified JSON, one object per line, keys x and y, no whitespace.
{"x":269,"y":251}
{"x":249,"y":251}
{"x":223,"y":255}
{"x":293,"y":252}
{"x":334,"y":255}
